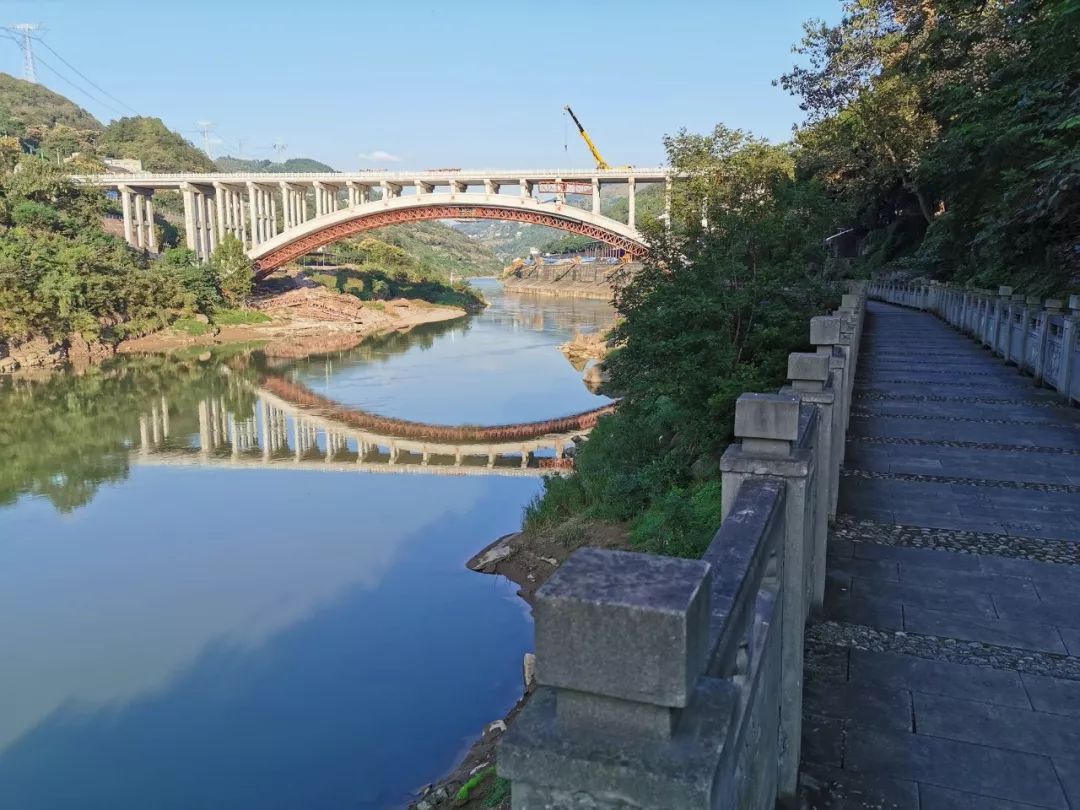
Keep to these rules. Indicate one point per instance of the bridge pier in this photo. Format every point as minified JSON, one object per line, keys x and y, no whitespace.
{"x":138,"y":218}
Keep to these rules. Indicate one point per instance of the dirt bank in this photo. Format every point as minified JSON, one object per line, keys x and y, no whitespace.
{"x":527,"y":559}
{"x":305,"y":319}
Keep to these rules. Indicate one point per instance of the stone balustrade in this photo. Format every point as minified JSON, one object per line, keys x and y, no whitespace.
{"x":677,"y":683}
{"x":1036,"y":335}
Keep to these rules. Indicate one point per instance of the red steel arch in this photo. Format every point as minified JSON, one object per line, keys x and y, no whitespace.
{"x":300,"y":395}
{"x":332,"y":233}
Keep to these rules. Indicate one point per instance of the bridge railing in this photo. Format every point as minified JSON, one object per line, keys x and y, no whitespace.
{"x":1036,"y":335}
{"x":668,"y":682}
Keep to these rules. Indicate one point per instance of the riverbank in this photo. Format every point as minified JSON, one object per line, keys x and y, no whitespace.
{"x":528,"y":559}
{"x":301,"y":318}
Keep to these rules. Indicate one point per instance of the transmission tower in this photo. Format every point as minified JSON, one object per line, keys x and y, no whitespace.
{"x":26,"y":34}
{"x":279,"y":149}
{"x":204,"y":128}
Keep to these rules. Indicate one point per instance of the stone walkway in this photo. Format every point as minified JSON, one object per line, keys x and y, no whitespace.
{"x":946,"y":671}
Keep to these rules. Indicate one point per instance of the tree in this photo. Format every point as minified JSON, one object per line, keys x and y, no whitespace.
{"x":722,"y":299}
{"x":235,"y":271}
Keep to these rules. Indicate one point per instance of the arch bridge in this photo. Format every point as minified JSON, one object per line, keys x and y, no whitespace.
{"x":281,"y":216}
{"x":291,"y":427}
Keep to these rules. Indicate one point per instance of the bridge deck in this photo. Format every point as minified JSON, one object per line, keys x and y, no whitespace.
{"x":947,"y":673}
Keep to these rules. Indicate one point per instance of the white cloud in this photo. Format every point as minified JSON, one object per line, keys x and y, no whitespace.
{"x":379,"y":156}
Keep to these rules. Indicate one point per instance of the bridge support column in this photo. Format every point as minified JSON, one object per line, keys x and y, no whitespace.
{"x":140,"y":222}
{"x":596,"y":195}
{"x":286,"y":207}
{"x":150,"y":240}
{"x":526,"y":189}
{"x":253,"y":213}
{"x":189,"y":216}
{"x":125,"y":202}
{"x":273,"y":214}
{"x":221,"y":208}
{"x":631,"y":199}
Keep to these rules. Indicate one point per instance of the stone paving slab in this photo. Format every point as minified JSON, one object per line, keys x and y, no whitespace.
{"x":959,"y":512}
{"x":879,"y":669}
{"x":1003,"y":632}
{"x":995,"y":772}
{"x":829,"y":788}
{"x":935,"y":798}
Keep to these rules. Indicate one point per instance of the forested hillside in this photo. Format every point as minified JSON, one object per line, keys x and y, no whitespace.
{"x":950,"y":130}
{"x":24,"y":105}
{"x":227,"y":163}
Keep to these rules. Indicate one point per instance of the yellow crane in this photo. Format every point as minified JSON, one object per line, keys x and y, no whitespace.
{"x":600,"y":162}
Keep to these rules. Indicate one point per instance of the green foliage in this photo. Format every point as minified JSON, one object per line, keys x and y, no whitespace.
{"x":199,"y":281}
{"x":233,"y":164}
{"x":25,"y":105}
{"x":158,"y":147}
{"x":380,"y":270}
{"x":61,"y":274}
{"x":65,"y":435}
{"x":438,"y":250}
{"x":238,"y":317}
{"x":948,"y":130}
{"x":714,"y":313}
{"x":471,"y":785}
{"x":568,"y":243}
{"x":499,"y":793}
{"x":234,"y":270}
{"x":191,"y":326}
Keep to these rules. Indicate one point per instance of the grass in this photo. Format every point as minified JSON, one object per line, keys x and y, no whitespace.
{"x":191,"y":326}
{"x":499,"y":793}
{"x":238,"y":317}
{"x":472,"y":784}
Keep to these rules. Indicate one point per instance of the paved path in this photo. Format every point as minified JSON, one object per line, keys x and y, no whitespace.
{"x":947,"y":672}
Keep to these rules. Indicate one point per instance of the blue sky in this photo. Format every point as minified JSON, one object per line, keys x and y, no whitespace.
{"x":433,"y":84}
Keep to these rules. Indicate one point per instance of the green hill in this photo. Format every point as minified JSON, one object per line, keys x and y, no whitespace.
{"x":25,"y":105}
{"x":158,"y":147}
{"x":227,"y":163}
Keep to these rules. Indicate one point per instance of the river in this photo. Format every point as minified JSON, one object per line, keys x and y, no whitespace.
{"x":191,"y":620}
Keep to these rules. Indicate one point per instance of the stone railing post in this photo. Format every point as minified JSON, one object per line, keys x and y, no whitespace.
{"x":825,"y":336}
{"x":1016,"y":309}
{"x":1070,"y":338}
{"x":1030,"y":347}
{"x":811,"y":381}
{"x":622,"y":640}
{"x":768,"y":427}
{"x":1000,"y":318}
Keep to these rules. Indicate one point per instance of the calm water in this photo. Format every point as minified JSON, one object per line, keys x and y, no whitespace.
{"x":189,"y":619}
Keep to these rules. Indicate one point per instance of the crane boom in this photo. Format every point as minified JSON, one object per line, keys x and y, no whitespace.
{"x":600,"y":162}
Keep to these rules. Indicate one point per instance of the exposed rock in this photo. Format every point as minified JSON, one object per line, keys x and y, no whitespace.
{"x":528,"y":666}
{"x":35,"y":353}
{"x":496,"y":727}
{"x":489,"y":557}
{"x":202,"y":318}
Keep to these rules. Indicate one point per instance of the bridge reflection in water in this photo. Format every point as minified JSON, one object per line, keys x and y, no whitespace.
{"x":316,"y":434}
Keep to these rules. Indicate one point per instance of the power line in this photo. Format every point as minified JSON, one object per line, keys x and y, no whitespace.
{"x":85,"y":92}
{"x":84,"y":77}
